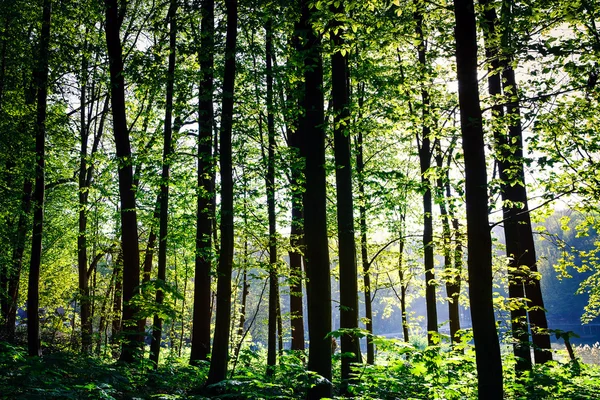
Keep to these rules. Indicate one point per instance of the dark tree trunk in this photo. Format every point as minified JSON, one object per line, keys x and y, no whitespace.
{"x":103,"y":311}
{"x":205,"y":196}
{"x":453,"y":287}
{"x":516,"y":290}
{"x":489,"y":363}
{"x":245,"y":292}
{"x":315,"y":209}
{"x":270,"y":186}
{"x":524,"y":245}
{"x":149,"y":254}
{"x":451,"y":276}
{"x":340,"y":97}
{"x":220,"y":356}
{"x":33,"y":290}
{"x":14,"y":274}
{"x":403,"y":289}
{"x":129,"y":234}
{"x":297,"y":228}
{"x":164,"y":185}
{"x":117,"y":310}
{"x":84,"y":294}
{"x":366,"y":265}
{"x":425,"y":162}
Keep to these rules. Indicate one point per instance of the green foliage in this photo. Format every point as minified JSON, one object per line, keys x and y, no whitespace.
{"x":402,"y":371}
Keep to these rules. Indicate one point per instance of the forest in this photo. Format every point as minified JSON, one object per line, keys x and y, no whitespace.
{"x":276,"y":199}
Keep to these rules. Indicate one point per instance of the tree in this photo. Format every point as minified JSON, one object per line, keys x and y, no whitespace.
{"x":33,"y":291}
{"x":204,"y":214}
{"x":270,"y":188}
{"x":220,"y":350}
{"x":425,"y":154}
{"x":315,"y":211}
{"x":340,"y":97}
{"x":479,"y":244}
{"x":129,"y":234}
{"x":164,"y":183}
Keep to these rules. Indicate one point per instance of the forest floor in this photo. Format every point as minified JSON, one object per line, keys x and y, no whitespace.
{"x":402,"y":372}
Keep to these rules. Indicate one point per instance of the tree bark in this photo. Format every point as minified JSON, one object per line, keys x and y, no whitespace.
{"x":425,"y":163}
{"x":315,"y":218}
{"x":14,"y":274}
{"x":452,"y":278}
{"x":164,"y":185}
{"x":297,"y":223}
{"x":340,"y":97}
{"x":270,"y":187}
{"x":84,"y":294}
{"x":524,"y":255}
{"x":205,"y":214}
{"x":129,"y":234}
{"x":366,"y":265}
{"x":489,"y":363}
{"x":220,"y":356}
{"x":117,"y":311}
{"x":33,"y":290}
{"x":516,"y":290}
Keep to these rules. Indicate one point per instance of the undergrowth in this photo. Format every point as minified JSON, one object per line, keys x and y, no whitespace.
{"x":402,"y":371}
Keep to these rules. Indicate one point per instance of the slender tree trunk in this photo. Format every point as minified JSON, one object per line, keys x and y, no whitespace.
{"x":14,"y":274}
{"x":297,"y":223}
{"x":220,"y":353}
{"x":454,"y":292}
{"x":404,"y":282}
{"x":129,"y":234}
{"x":425,"y":162}
{"x":33,"y":290}
{"x":205,"y":196}
{"x":315,"y":218}
{"x":362,"y":210}
{"x":270,"y":186}
{"x":366,"y":266}
{"x":489,"y":363}
{"x":117,"y":311}
{"x":340,"y":96}
{"x":86,"y":322}
{"x":451,"y":276}
{"x":164,"y":185}
{"x":103,"y":312}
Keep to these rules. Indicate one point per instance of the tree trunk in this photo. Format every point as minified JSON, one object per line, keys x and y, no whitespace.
{"x":204,"y":216}
{"x":129,"y":234}
{"x":451,"y":276}
{"x":517,"y":194}
{"x":489,"y":363}
{"x":366,"y":265}
{"x":297,"y":223}
{"x":315,"y":208}
{"x":84,"y":294}
{"x":14,"y":274}
{"x":340,"y":97}
{"x":33,"y":290}
{"x":362,"y":212}
{"x":516,"y":290}
{"x":403,"y":289}
{"x":117,"y":311}
{"x":220,"y":353}
{"x":425,"y":162}
{"x":270,"y":187}
{"x":164,"y":185}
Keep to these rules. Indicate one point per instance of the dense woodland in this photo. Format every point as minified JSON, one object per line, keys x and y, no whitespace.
{"x":239,"y":198}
